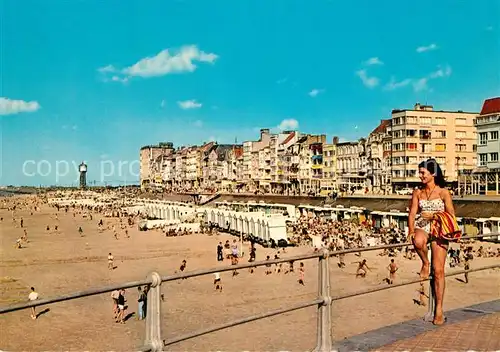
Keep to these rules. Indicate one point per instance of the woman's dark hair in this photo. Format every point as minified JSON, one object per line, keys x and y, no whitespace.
{"x":433,"y":167}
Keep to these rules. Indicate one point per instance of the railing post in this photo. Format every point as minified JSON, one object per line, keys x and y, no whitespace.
{"x":324,"y":338}
{"x":429,"y":316}
{"x":153,"y":316}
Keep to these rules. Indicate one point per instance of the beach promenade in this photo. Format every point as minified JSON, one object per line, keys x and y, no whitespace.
{"x":63,"y":261}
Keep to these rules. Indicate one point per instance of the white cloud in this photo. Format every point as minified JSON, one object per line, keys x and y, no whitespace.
{"x":282,"y":80}
{"x":163,"y":103}
{"x":393,"y":84}
{"x":441,"y":72}
{"x":373,"y":61}
{"x":288,"y":124}
{"x":11,"y":106}
{"x":370,"y":82}
{"x":198,"y":123}
{"x":489,"y":28}
{"x":212,"y":139}
{"x":116,"y":78}
{"x":420,"y":84}
{"x":74,"y":127}
{"x":422,"y":49}
{"x":166,"y":62}
{"x":313,"y":93}
{"x":189,"y":104}
{"x":108,"y":68}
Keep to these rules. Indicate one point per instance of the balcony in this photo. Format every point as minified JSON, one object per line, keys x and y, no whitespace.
{"x":317,"y":166}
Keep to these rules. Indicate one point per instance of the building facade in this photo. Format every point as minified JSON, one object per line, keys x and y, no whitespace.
{"x":378,"y":154}
{"x":485,"y":178}
{"x":423,"y":133}
{"x":149,"y":156}
{"x":351,"y":166}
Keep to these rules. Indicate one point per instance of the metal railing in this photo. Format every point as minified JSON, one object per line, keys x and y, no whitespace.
{"x":324,"y":341}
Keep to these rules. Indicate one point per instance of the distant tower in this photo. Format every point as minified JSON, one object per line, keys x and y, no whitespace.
{"x":83,"y":175}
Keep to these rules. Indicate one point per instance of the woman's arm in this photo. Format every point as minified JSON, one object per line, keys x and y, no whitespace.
{"x":448,"y":202}
{"x":413,"y":212}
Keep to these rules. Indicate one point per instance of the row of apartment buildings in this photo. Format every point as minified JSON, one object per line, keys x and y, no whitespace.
{"x":465,"y":144}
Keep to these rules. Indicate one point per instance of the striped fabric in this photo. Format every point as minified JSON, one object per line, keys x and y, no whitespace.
{"x":445,"y":226}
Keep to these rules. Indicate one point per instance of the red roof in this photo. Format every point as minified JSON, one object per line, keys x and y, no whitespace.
{"x":238,"y":152}
{"x":289,"y":138}
{"x":382,"y":127}
{"x":491,"y":106}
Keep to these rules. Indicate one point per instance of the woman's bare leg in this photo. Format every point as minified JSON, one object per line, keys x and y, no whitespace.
{"x":439,"y":250}
{"x":420,"y":243}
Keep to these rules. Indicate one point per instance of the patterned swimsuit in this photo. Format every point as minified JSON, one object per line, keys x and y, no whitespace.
{"x":432,"y":206}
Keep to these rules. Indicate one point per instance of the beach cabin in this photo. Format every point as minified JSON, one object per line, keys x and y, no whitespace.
{"x":487,"y":226}
{"x":385,"y":219}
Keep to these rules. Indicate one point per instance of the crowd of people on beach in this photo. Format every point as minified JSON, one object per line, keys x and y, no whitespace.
{"x":335,"y":235}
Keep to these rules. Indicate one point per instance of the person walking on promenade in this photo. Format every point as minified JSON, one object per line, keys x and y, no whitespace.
{"x":431,"y":198}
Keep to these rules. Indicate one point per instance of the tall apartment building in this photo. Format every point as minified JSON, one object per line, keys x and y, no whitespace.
{"x":422,"y":133}
{"x":485,"y":179}
{"x":150,"y":156}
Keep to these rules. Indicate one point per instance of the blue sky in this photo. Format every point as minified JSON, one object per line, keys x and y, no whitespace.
{"x":95,"y":80}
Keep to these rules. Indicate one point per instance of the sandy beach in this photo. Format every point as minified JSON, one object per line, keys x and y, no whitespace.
{"x":63,"y":262}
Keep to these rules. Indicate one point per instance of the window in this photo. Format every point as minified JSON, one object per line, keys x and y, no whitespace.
{"x":441,"y":160}
{"x":440,"y":121}
{"x":493,"y":157}
{"x":483,"y":138}
{"x":411,"y":133}
{"x":440,"y":147}
{"x":397,"y":121}
{"x":460,"y":147}
{"x":440,"y":134}
{"x":424,"y":134}
{"x":411,"y":119}
{"x":411,"y":173}
{"x":460,"y":134}
{"x":425,"y":121}
{"x":411,"y":146}
{"x":411,"y":160}
{"x":483,"y":158}
{"x":493,"y":135}
{"x":461,"y":121}
{"x":425,"y":147}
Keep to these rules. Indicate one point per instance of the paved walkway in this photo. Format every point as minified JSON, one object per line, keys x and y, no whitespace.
{"x":473,"y":328}
{"x":480,"y":334}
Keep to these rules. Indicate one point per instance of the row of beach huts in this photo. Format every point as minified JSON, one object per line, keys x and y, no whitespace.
{"x":267,"y":222}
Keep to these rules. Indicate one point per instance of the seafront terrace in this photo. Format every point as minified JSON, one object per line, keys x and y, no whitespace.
{"x":324,"y":301}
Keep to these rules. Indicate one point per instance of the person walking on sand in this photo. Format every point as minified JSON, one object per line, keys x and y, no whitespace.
{"x":392,"y":267}
{"x":110,"y":261}
{"x":33,"y":296}
{"x":121,"y":307}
